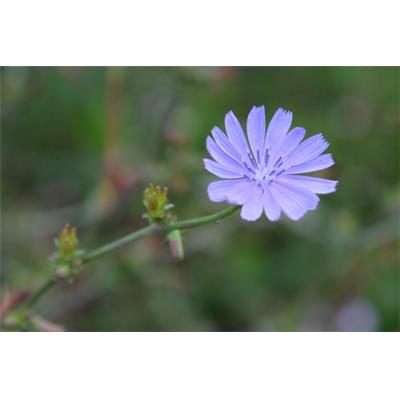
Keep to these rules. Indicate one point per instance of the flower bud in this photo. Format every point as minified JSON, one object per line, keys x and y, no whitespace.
{"x":155,"y":200}
{"x":65,"y":261}
{"x":175,"y":244}
{"x":67,"y":241}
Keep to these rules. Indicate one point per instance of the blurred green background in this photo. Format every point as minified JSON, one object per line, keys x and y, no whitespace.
{"x":80,"y":144}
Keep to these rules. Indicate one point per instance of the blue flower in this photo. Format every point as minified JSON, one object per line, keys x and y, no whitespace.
{"x":261,"y":173}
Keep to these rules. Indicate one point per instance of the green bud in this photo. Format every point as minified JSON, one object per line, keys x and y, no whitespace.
{"x":155,"y":200}
{"x":67,"y":241}
{"x":65,"y":261}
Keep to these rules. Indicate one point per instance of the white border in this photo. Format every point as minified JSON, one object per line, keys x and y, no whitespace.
{"x":199,"y":366}
{"x":207,"y":32}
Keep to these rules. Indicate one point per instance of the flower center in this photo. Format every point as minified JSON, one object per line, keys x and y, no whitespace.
{"x":265,"y":175}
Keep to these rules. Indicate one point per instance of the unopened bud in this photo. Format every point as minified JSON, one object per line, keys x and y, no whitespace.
{"x":175,"y":244}
{"x":65,"y":261}
{"x":155,"y":200}
{"x":67,"y":241}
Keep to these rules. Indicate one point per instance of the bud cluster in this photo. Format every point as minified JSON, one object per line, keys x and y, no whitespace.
{"x":155,"y":200}
{"x":65,"y":260}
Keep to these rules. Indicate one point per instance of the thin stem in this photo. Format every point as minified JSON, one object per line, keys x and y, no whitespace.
{"x":208,"y":219}
{"x":141,"y":233}
{"x":40,"y":291}
{"x":107,"y":248}
{"x":149,"y":230}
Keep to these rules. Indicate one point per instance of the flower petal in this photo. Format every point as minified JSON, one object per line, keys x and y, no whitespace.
{"x":316,"y":185}
{"x":219,"y":190}
{"x":221,"y":170}
{"x":278,"y":128}
{"x":307,"y":150}
{"x":236,"y":137}
{"x":253,"y":206}
{"x":240,"y":193}
{"x":271,"y":207}
{"x":256,"y":131}
{"x":321,"y":162}
{"x":290,"y":142}
{"x":221,"y":157}
{"x":295,"y":201}
{"x":224,"y":143}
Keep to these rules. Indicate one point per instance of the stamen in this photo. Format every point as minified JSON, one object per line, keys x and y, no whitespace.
{"x":253,"y":161}
{"x":266,"y":159}
{"x":248,"y":168}
{"x":277,"y":161}
{"x":280,"y":172}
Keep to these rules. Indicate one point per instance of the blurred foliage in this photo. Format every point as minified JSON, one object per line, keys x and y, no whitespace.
{"x":79,"y":145}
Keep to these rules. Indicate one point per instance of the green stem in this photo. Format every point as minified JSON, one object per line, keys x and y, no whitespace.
{"x":208,"y":219}
{"x":40,"y":291}
{"x":109,"y":247}
{"x":132,"y":237}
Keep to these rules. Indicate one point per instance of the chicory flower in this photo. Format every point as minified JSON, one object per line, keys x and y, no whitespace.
{"x":263,"y":171}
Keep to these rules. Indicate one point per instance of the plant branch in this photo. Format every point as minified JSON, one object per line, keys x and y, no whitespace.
{"x":109,"y":247}
{"x":40,"y":291}
{"x":132,"y":237}
{"x":208,"y":219}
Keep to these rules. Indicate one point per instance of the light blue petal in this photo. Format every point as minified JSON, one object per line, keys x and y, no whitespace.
{"x":220,"y":170}
{"x":226,"y":190}
{"x":224,"y":143}
{"x":294,"y":201}
{"x":271,"y":207}
{"x":236,"y":137}
{"x":221,"y":157}
{"x":307,"y":150}
{"x":290,"y":142}
{"x":278,"y":128}
{"x":321,"y":162}
{"x":316,"y":185}
{"x":256,"y":131}
{"x":253,"y":206}
{"x":240,"y":193}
